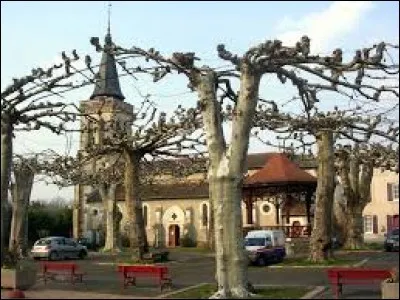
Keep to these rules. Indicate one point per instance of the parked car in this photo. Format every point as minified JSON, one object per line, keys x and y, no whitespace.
{"x":58,"y":248}
{"x":392,"y":240}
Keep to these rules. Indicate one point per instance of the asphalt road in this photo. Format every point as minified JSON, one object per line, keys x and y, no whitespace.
{"x":193,"y":268}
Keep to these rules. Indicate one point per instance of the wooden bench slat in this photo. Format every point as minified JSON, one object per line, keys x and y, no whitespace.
{"x":130,"y":272}
{"x":51,"y":269}
{"x":342,"y":276}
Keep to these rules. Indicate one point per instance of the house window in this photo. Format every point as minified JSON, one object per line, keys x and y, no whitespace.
{"x":393,"y":192}
{"x":368,"y":226}
{"x":371,"y":224}
{"x":204,"y":215}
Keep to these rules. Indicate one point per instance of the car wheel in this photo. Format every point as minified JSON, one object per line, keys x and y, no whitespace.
{"x":36,"y":258}
{"x":388,"y":248}
{"x":82,"y":254}
{"x":54,"y":256}
{"x":261,"y":261}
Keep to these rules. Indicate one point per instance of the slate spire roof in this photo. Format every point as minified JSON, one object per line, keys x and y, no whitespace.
{"x":107,"y":82}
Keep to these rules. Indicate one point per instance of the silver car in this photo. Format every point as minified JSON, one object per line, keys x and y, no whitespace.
{"x":58,"y":248}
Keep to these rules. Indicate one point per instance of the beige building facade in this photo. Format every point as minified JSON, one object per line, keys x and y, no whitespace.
{"x":382,"y":213}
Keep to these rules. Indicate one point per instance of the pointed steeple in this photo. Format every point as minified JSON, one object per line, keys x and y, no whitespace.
{"x":107,"y":83}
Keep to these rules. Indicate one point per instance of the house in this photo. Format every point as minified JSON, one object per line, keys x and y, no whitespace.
{"x":382,"y":213}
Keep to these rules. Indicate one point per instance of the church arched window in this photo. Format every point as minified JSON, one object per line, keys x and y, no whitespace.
{"x":204,"y":214}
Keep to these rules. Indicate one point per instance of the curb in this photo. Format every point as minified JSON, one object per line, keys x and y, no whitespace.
{"x":318,"y":290}
{"x":359,"y":264}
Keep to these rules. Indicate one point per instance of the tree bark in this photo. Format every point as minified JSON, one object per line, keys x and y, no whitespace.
{"x":6,"y":157}
{"x":320,"y":243}
{"x":112,"y":238}
{"x":135,"y":222}
{"x":355,"y":238}
{"x":20,"y":195}
{"x":225,"y":178}
{"x":356,"y":177}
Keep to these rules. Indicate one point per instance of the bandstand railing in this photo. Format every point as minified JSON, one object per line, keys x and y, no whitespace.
{"x":290,"y":231}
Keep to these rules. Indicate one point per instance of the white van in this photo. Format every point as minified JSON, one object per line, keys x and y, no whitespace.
{"x":264,"y":246}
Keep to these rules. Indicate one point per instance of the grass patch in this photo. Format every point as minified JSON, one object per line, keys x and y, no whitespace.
{"x":206,"y":290}
{"x":305,"y":262}
{"x":367,"y":246}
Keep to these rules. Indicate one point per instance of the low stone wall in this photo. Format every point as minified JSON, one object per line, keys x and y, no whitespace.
{"x":297,"y":247}
{"x":390,"y":290}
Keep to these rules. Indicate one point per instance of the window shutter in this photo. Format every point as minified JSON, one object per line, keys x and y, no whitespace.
{"x":390,"y":192}
{"x":389,"y":223}
{"x":375,"y":224}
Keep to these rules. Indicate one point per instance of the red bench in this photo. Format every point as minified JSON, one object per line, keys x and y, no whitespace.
{"x":49,"y":270}
{"x":131,"y":272}
{"x":342,"y":276}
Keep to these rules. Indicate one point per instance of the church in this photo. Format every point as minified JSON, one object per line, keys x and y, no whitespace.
{"x":278,"y":190}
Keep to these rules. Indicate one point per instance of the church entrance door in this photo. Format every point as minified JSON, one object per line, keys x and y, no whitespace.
{"x":173,"y":235}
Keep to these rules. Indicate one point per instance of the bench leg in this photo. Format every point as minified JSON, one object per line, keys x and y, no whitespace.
{"x":129,"y":281}
{"x":337,"y":290}
{"x":167,"y":282}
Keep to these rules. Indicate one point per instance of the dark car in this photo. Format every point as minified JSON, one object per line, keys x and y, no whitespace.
{"x":392,"y":240}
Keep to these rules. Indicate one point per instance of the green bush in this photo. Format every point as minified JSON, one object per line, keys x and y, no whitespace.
{"x":49,"y":220}
{"x":186,"y":241}
{"x":125,"y":241}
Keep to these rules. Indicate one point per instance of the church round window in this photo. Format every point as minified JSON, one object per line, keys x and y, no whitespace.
{"x":265,"y":208}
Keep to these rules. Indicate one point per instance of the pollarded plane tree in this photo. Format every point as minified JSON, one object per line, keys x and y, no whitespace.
{"x":227,"y":161}
{"x":151,"y":136}
{"x":324,"y":130}
{"x":355,"y":166}
{"x":23,"y":171}
{"x":333,"y":123}
{"x":25,"y":106}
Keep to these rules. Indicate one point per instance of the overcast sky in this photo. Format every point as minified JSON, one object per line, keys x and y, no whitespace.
{"x":34,"y":34}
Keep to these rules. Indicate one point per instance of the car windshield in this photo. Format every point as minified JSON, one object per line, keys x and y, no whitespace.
{"x":255,"y":242}
{"x":395,"y":232}
{"x":43,"y":242}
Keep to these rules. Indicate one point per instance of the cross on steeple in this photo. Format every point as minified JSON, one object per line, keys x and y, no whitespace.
{"x":109,"y":18}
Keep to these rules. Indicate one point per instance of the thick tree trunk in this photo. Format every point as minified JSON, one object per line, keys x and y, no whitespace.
{"x":355,"y":237}
{"x":6,"y":160}
{"x":112,"y":239}
{"x":20,"y":195}
{"x":320,"y":243}
{"x":211,"y":226}
{"x":135,"y":222}
{"x":226,"y":178}
{"x":356,"y":177}
{"x":354,"y":229}
{"x":340,"y":219}
{"x":231,"y":272}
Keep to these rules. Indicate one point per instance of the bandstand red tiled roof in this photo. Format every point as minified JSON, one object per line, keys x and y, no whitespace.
{"x":280,"y":170}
